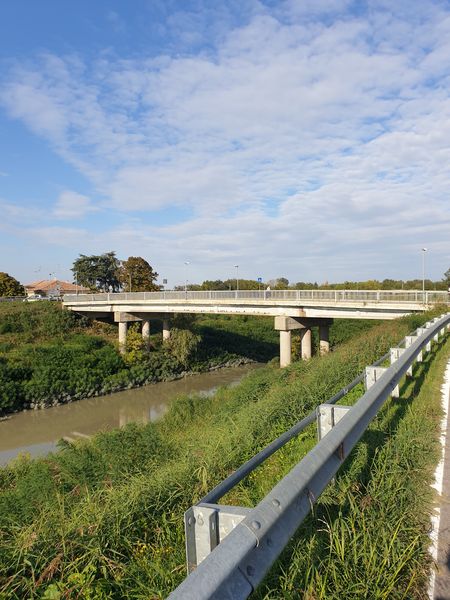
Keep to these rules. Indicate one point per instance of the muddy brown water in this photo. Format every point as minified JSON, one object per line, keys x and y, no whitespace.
{"x":37,"y":432}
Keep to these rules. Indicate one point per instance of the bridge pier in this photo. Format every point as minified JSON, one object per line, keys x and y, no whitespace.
{"x":324,"y":339}
{"x":286,"y":324}
{"x":306,"y":343}
{"x":285,"y":348}
{"x":123,"y":328}
{"x":146,"y":330}
{"x":123,"y":318}
{"x":166,"y":329}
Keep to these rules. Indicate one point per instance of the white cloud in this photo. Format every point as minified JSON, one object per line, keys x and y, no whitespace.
{"x":296,"y":142}
{"x":71,"y":205}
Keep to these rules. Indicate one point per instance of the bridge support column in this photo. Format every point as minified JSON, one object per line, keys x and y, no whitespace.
{"x":285,"y":348}
{"x":166,"y":329}
{"x":285,"y":325}
{"x":324,"y":339}
{"x":146,"y":330}
{"x":306,"y":343}
{"x":123,"y":326}
{"x":123,"y":318}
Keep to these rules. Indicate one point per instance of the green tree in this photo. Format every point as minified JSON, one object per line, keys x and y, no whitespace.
{"x":244,"y":284}
{"x":97,"y":271}
{"x":9,"y":286}
{"x":447,"y":276}
{"x":136,"y":275}
{"x":217,"y":284}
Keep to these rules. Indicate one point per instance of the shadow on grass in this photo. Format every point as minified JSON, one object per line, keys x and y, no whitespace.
{"x":236,"y":343}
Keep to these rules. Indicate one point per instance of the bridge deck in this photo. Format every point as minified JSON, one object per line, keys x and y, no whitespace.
{"x":360,"y":304}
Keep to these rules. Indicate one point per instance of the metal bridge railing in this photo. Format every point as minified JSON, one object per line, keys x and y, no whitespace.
{"x":335,"y":296}
{"x":230,"y":549}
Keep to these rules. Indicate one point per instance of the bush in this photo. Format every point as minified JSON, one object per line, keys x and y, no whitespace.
{"x":183,"y":345}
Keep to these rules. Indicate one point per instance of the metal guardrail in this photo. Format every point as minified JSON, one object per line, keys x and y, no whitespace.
{"x":335,"y":296}
{"x":234,"y":547}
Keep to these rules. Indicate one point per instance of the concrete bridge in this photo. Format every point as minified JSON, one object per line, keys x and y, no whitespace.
{"x":291,"y":309}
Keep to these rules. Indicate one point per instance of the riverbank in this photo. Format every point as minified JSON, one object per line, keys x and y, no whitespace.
{"x":49,"y":356}
{"x":36,"y":433}
{"x":103,"y":518}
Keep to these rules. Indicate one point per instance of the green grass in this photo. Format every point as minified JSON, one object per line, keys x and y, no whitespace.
{"x":103,"y":518}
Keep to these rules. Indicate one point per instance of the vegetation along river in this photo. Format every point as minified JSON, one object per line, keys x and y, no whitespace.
{"x":37,"y":431}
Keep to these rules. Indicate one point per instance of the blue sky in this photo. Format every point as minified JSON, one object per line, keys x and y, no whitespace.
{"x":304,"y":139}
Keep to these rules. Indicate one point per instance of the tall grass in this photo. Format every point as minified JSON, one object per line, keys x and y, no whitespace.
{"x":103,"y":518}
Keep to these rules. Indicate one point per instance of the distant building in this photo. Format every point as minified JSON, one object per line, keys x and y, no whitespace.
{"x":53,"y":287}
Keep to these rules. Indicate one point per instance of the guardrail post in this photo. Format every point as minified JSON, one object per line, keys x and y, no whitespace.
{"x":371,"y":375}
{"x":327,"y":417}
{"x":409,"y":340}
{"x":206,"y":525}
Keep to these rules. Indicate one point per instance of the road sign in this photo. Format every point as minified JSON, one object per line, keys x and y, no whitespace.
{"x":259,"y":279}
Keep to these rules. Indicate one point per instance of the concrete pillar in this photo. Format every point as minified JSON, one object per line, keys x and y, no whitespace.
{"x":146,"y":330}
{"x":122,"y":336}
{"x":166,"y":329}
{"x":305,"y":335}
{"x":324,"y":339}
{"x":285,"y":348}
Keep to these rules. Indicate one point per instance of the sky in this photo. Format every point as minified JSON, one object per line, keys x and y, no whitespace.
{"x":306,"y":139}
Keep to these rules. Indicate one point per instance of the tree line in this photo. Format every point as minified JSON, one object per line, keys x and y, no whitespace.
{"x":105,"y":272}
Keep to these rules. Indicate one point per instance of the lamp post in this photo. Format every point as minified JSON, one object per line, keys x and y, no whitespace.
{"x":423,"y":273}
{"x":186,"y":263}
{"x":237,"y":277}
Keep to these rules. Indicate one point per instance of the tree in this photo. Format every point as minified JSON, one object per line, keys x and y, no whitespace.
{"x":217,"y":284}
{"x":447,"y":276}
{"x":10,"y":287}
{"x":136,"y":275}
{"x":97,"y":271}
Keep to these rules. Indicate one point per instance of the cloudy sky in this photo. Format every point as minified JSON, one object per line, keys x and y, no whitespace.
{"x":308,"y":139}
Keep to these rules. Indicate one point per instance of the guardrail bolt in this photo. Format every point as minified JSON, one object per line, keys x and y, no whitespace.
{"x":276,"y":503}
{"x":191,"y":521}
{"x":250,"y":571}
{"x":200,"y":519}
{"x":256,"y":525}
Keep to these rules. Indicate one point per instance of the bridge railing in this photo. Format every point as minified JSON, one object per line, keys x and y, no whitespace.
{"x":229,"y":548}
{"x":336,"y":296}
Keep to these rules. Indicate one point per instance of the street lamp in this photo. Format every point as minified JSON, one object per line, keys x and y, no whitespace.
{"x":237,"y":277}
{"x":423,"y":272}
{"x":186,"y":263}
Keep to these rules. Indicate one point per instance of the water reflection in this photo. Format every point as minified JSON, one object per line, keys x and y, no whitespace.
{"x":37,"y":432}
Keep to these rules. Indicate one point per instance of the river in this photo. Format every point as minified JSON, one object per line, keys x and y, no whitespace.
{"x":36,"y":432}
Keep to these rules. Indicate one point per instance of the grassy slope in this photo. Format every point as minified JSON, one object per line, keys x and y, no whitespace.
{"x":104,"y":518}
